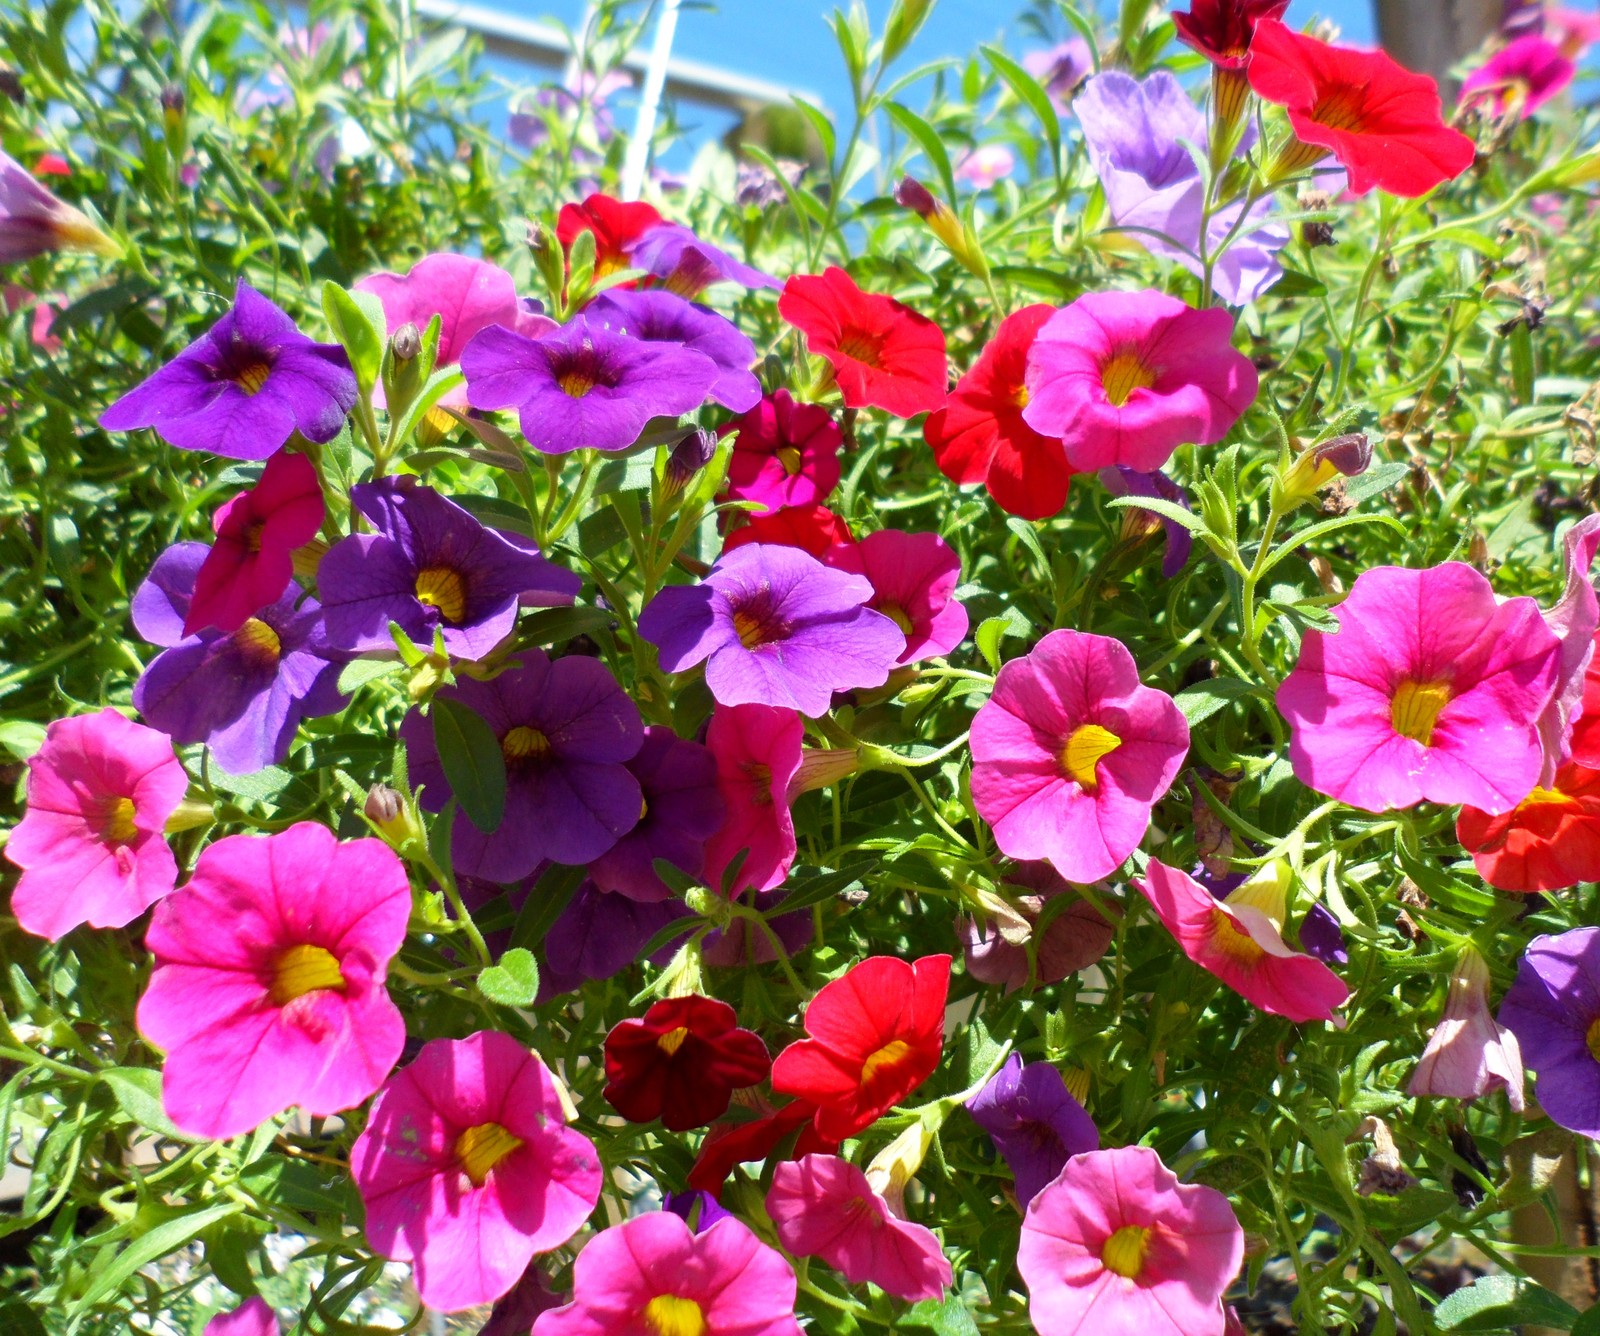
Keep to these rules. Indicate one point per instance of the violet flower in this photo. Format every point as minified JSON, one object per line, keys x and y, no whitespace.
{"x":34,"y":222}
{"x":1035,"y":1123}
{"x":1061,"y":68}
{"x":1553,"y":1009}
{"x":687,"y":266}
{"x":682,"y":1205}
{"x":1137,"y":522}
{"x":664,"y":317}
{"x":599,"y":934}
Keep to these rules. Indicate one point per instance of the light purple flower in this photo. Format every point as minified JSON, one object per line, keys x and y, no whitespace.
{"x":666,"y":318}
{"x":1468,"y":1054}
{"x":1061,"y":68}
{"x":1120,"y":480}
{"x":687,"y":266}
{"x":1553,"y":1008}
{"x":34,"y":222}
{"x":1034,"y":1121}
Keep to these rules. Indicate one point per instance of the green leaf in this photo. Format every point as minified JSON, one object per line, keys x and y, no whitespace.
{"x":137,"y":1091}
{"x":551,"y":626}
{"x":1378,"y":478}
{"x":160,"y":1241}
{"x":1588,"y":1323}
{"x":1027,"y":89}
{"x":473,"y":762}
{"x":17,"y":1319}
{"x":994,"y":629}
{"x":1522,"y":372}
{"x":944,"y":1317}
{"x":358,"y":672}
{"x":439,"y":384}
{"x":1204,"y":699}
{"x":356,"y":319}
{"x":514,"y":982}
{"x":1501,"y":1303}
{"x":1168,"y":510}
{"x":928,"y":141}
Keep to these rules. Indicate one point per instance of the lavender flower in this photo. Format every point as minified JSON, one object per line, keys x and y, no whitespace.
{"x":1553,"y":1008}
{"x":664,"y":317}
{"x":687,"y":266}
{"x":1061,"y":68}
{"x":1034,"y":1122}
{"x":34,"y":222}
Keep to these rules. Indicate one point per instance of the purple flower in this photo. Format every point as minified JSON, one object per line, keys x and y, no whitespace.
{"x":514,"y":1313}
{"x":34,"y":222}
{"x":774,"y":626}
{"x":1553,"y":1008}
{"x":430,"y":564}
{"x":682,"y":809}
{"x":1136,"y":134}
{"x":682,"y":1205}
{"x":687,"y":266}
{"x":584,"y":386}
{"x":1322,"y":937}
{"x":243,"y":386}
{"x":1137,"y":522}
{"x":599,"y":935}
{"x":1034,"y":1121}
{"x":665,"y":318}
{"x":743,"y":943}
{"x":243,"y":694}
{"x":565,"y":728}
{"x":1061,"y":68}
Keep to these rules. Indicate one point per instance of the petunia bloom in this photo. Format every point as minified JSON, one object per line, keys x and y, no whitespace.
{"x":1127,"y":377}
{"x":251,"y":1318}
{"x":876,"y":1034}
{"x":468,"y":1169}
{"x":757,"y":753}
{"x":1468,"y":1054}
{"x":1430,"y":690}
{"x":812,"y":529}
{"x":1221,"y":30}
{"x":1117,"y":1245}
{"x":784,"y":453}
{"x":884,"y":355}
{"x":34,"y":222}
{"x":1574,"y":619}
{"x":744,"y":1143}
{"x":652,"y":1276}
{"x":686,"y":265}
{"x":269,"y":988}
{"x":1553,"y":1008}
{"x":617,"y":225}
{"x":1520,"y":77}
{"x":914,"y":578}
{"x":666,"y":318}
{"x":1548,"y":842}
{"x":92,"y":844}
{"x":599,"y":934}
{"x":997,"y":943}
{"x":681,"y":1062}
{"x":1034,"y":1121}
{"x":1071,"y":753}
{"x":1061,"y":68}
{"x":1139,"y":524}
{"x":243,"y":386}
{"x":983,"y":166}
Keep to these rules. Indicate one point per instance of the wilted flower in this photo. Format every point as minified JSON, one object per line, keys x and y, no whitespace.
{"x":1314,"y":468}
{"x":757,"y":753}
{"x":1469,"y":1054}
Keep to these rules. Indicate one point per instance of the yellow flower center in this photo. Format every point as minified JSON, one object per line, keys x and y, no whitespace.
{"x":480,"y":1148}
{"x":1228,"y":939}
{"x":789,"y":457}
{"x":442,"y":588}
{"x":861,"y":346}
{"x":890,"y":1055}
{"x":1020,"y":396}
{"x":1593,"y":1039}
{"x":524,"y":744}
{"x":1547,"y":797}
{"x":1124,"y":1251}
{"x":1415,"y":709}
{"x":252,"y":537}
{"x":757,"y":626}
{"x":1341,"y":110}
{"x":252,"y":378}
{"x":672,"y":1041}
{"x":575,"y":384}
{"x":898,"y":615}
{"x":258,"y":642}
{"x":1125,"y":373}
{"x":304,"y":969}
{"x":668,"y":1315}
{"x":1083,"y":750}
{"x":117,"y":826}
{"x":760,"y":783}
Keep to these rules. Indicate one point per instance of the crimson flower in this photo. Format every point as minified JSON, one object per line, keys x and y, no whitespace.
{"x":812,"y":529}
{"x":743,"y":1143}
{"x":1547,"y":842}
{"x":681,"y":1063}
{"x":876,"y":1035}
{"x":616,"y":225}
{"x":1220,"y":30}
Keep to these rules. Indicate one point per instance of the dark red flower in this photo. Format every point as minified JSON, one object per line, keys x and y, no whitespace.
{"x":876,"y":1035}
{"x":812,"y":529}
{"x":742,"y":1143}
{"x":1220,"y":30}
{"x":616,"y":225}
{"x":681,"y":1063}
{"x":979,"y":435}
{"x":884,"y":355}
{"x":1380,"y":120}
{"x":1548,"y":842}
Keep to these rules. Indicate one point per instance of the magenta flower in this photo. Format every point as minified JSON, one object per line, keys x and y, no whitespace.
{"x":1117,"y":1245}
{"x":1573,"y":619}
{"x":686,"y":266}
{"x":242,"y":387}
{"x":251,"y":1318}
{"x":1071,"y":753}
{"x":34,"y":222}
{"x":826,"y":1207}
{"x":665,"y":317}
{"x":1468,"y":1054}
{"x":1127,"y":377}
{"x":269,"y":989}
{"x":468,"y":1168}
{"x":913,"y":577}
{"x":92,"y":844}
{"x":1520,"y":77}
{"x":652,"y":1276}
{"x":757,"y":752}
{"x":774,"y":626}
{"x":1430,"y":690}
{"x":1034,"y":1121}
{"x":785,"y":454}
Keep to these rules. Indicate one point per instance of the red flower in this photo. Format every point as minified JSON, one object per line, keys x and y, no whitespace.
{"x":1548,"y":842}
{"x":884,"y":354}
{"x":1378,"y":118}
{"x":876,"y":1034}
{"x":812,"y":529}
{"x":1586,"y":728}
{"x":1220,"y":30}
{"x":681,"y":1063}
{"x":979,"y":435}
{"x":616,"y":226}
{"x":744,"y":1142}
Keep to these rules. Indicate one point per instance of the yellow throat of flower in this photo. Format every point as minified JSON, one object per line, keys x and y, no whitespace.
{"x":672,"y":1040}
{"x":1230,"y":940}
{"x":1123,"y":374}
{"x":1124,"y":1252}
{"x":117,"y":826}
{"x":442,"y":588}
{"x":1415,"y":709}
{"x":891,"y":1054}
{"x":524,"y":744}
{"x":250,"y":379}
{"x":1084,"y":748}
{"x":304,"y":969}
{"x":480,"y":1148}
{"x":668,"y":1315}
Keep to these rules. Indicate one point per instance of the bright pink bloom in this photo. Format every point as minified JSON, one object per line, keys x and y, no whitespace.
{"x":468,"y":1168}
{"x":269,"y":989}
{"x":251,"y":1318}
{"x":1574,"y":619}
{"x":825,"y":1207}
{"x":983,"y":166}
{"x":1117,"y":1246}
{"x":52,"y":164}
{"x":1430,"y":690}
{"x":1520,"y":77}
{"x":652,"y":1276}
{"x":1071,"y":753}
{"x":914,"y":577}
{"x":1240,"y":940}
{"x":1469,"y":1053}
{"x":250,"y":564}
{"x":92,"y":845}
{"x":1128,"y":377}
{"x":757,"y":750}
{"x":786,"y":454}
{"x":14,"y":297}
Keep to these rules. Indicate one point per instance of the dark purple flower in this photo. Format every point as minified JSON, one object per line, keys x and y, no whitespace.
{"x":431,"y":564}
{"x":242,"y":694}
{"x":565,"y":728}
{"x":1321,"y":936}
{"x":775,"y":626}
{"x":243,"y":386}
{"x":682,"y":1205}
{"x":687,"y":266}
{"x":584,"y":385}
{"x":1136,"y":523}
{"x":743,"y":943}
{"x":1034,"y":1121}
{"x":600,"y":934}
{"x":1553,"y":1008}
{"x":682,"y":809}
{"x":665,"y":317}
{"x":514,"y":1313}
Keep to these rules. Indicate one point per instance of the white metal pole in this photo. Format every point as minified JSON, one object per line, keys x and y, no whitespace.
{"x":655,"y":78}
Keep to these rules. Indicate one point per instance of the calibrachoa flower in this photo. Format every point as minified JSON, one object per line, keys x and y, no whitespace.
{"x":92,"y":844}
{"x":251,"y":1318}
{"x":1520,"y":77}
{"x":1070,"y":754}
{"x":665,"y":317}
{"x":774,"y":626}
{"x":468,"y":1169}
{"x":981,"y":436}
{"x":884,"y":355}
{"x":617,"y":226}
{"x":785,"y":454}
{"x":652,"y":1276}
{"x":430,"y":565}
{"x":687,"y":265}
{"x":1547,"y":842}
{"x":757,"y":753}
{"x":1221,"y":30}
{"x":1430,"y":690}
{"x":1469,"y":1054}
{"x":825,"y":1207}
{"x":566,"y":729}
{"x":34,"y":222}
{"x":743,"y":1143}
{"x":243,"y":386}
{"x":1127,"y":377}
{"x":1034,"y":1121}
{"x":1073,"y":938}
{"x":914,"y":577}
{"x":1574,"y":619}
{"x":269,"y":989}
{"x":1117,"y":1245}
{"x":981,"y":167}
{"x":1139,"y":523}
{"x":599,"y":934}
{"x":1061,"y":68}
{"x":681,"y":1063}
{"x":876,"y":1033}
{"x":1553,"y":1009}
{"x":812,"y":529}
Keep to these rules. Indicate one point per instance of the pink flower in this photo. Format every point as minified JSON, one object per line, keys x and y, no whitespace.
{"x":1240,"y":940}
{"x":468,"y":1169}
{"x":251,"y":1318}
{"x":1071,"y":753}
{"x":1573,"y":30}
{"x":785,"y":454}
{"x":269,"y":989}
{"x":652,"y":1276}
{"x":826,"y":1207}
{"x":1127,"y":377}
{"x":757,"y":750}
{"x":913,"y":576}
{"x":92,"y":846}
{"x":14,"y":297}
{"x":1429,"y":690}
{"x":251,"y":563}
{"x":1574,"y":620}
{"x":1469,"y":1054}
{"x":981,"y":167}
{"x":1520,"y":77}
{"x":1117,"y":1246}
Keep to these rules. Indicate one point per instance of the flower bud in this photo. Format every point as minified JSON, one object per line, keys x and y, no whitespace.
{"x":173,"y":105}
{"x":403,"y":372}
{"x":897,"y":1163}
{"x":392,"y":815}
{"x":955,"y":235}
{"x":406,"y":343}
{"x":1313,"y":469}
{"x":188,"y":814}
{"x":1470,"y":1053}
{"x":688,"y":457}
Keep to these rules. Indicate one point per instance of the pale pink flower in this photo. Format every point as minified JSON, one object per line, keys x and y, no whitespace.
{"x":981,"y":167}
{"x":1469,"y":1053}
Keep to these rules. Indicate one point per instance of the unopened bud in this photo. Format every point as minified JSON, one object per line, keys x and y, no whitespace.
{"x":956,"y":237}
{"x":173,"y":105}
{"x":407,"y":342}
{"x":538,"y":238}
{"x":188,"y":814}
{"x":391,"y":815}
{"x":11,"y":84}
{"x":912,"y":194}
{"x":1313,"y":469}
{"x":688,"y":457}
